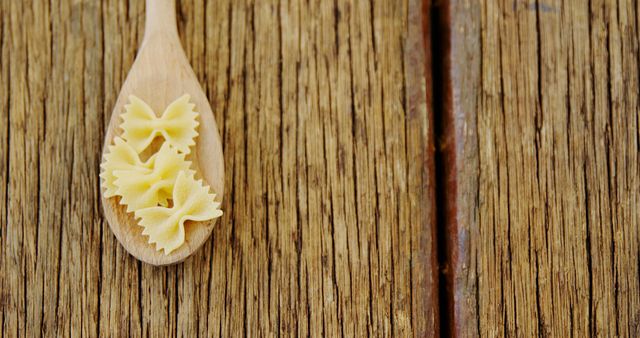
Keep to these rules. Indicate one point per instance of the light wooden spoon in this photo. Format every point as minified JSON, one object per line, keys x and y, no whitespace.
{"x":160,"y":74}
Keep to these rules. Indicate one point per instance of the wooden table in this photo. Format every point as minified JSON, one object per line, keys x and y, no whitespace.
{"x":328,"y":225}
{"x":541,"y":160}
{"x":341,"y":216}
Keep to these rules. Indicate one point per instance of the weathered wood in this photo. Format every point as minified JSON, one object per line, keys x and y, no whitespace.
{"x":458,"y":68}
{"x":544,"y":163}
{"x":329,"y":218}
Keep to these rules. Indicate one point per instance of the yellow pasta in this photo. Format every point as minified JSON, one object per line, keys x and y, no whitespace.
{"x":191,"y":201}
{"x":142,"y":189}
{"x":177,"y":124}
{"x":146,"y":188}
{"x":121,"y":157}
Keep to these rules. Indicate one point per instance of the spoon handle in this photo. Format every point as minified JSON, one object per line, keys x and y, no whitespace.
{"x":160,"y":19}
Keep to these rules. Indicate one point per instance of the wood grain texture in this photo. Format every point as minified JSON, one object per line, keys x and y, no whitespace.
{"x":544,"y":162}
{"x":329,"y":218}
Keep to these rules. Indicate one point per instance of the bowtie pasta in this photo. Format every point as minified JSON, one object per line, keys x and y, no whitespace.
{"x":161,"y":191}
{"x":191,"y":201}
{"x":177,"y":124}
{"x":143,"y":189}
{"x":121,"y":157}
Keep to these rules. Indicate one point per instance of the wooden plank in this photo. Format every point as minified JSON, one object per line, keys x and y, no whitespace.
{"x":329,"y":224}
{"x":458,"y":67}
{"x":544,"y":165}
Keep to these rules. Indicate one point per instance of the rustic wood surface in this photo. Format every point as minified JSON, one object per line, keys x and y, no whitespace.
{"x":329,"y":219}
{"x":542,"y":159}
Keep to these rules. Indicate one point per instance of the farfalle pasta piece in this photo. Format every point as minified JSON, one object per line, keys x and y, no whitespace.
{"x":191,"y":201}
{"x":177,"y":124}
{"x":141,"y":189}
{"x":121,"y":157}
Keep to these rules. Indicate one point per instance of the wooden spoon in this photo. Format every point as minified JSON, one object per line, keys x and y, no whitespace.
{"x":160,"y":74}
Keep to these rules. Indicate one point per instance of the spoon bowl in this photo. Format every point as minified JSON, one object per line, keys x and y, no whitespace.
{"x":160,"y":74}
